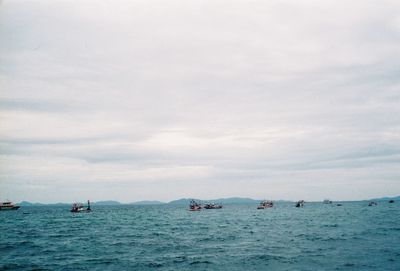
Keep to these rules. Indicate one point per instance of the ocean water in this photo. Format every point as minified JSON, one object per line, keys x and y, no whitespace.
{"x":238,"y":237}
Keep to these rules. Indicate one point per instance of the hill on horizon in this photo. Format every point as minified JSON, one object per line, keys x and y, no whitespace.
{"x":147,"y":202}
{"x":106,"y":202}
{"x":237,"y":200}
{"x":183,"y":201}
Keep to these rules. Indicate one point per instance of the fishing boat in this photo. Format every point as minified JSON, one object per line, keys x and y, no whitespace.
{"x":79,"y":208}
{"x":372,"y":203}
{"x":212,"y":206}
{"x":265,"y":204}
{"x":194,"y":206}
{"x":300,"y":203}
{"x":327,"y":201}
{"x":7,"y":206}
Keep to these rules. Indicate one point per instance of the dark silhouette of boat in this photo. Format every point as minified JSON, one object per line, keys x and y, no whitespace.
{"x":8,"y":206}
{"x":212,"y":206}
{"x":391,"y":201}
{"x":265,"y":204}
{"x":79,"y":208}
{"x":372,"y":203}
{"x":194,"y":206}
{"x":300,"y":203}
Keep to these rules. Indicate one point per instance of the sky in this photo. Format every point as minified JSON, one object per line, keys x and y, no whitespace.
{"x":159,"y":100}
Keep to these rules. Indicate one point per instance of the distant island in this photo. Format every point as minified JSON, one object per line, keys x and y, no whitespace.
{"x":235,"y":200}
{"x":148,"y":202}
{"x":107,"y":202}
{"x":183,"y":201}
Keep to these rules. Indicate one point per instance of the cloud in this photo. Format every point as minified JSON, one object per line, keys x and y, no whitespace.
{"x":148,"y":100}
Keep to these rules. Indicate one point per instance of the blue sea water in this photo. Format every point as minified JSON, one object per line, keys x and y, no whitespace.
{"x":237,"y":237}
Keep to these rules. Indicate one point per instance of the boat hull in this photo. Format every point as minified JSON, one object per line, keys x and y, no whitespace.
{"x":212,"y":207}
{"x":9,"y":208}
{"x":81,"y":211}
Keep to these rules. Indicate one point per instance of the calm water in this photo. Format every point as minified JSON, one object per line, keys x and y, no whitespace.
{"x":238,"y":237}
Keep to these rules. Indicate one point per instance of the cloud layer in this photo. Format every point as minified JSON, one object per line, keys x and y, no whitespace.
{"x":134,"y":100}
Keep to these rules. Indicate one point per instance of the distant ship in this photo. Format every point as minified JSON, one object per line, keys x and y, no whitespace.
{"x":327,"y":201}
{"x":300,"y":203}
{"x":212,"y":206}
{"x":194,"y":206}
{"x":7,"y":206}
{"x":79,"y":208}
{"x":372,"y":203}
{"x":265,"y":204}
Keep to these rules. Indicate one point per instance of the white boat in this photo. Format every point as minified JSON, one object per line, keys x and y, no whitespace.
{"x":7,"y":206}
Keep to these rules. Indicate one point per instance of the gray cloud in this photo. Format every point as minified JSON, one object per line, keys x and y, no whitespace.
{"x":148,"y":100}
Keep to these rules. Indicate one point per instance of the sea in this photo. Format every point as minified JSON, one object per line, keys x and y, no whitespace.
{"x":318,"y":236}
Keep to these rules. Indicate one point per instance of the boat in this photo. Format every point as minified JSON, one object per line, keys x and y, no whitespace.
{"x":212,"y":206}
{"x":265,"y":204}
{"x":372,"y":203}
{"x":7,"y":206}
{"x":194,"y":206}
{"x":300,"y":203}
{"x":391,"y":201}
{"x":327,"y":201}
{"x":339,"y":204}
{"x":79,"y":208}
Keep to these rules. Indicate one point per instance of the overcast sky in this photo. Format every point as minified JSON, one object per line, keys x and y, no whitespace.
{"x":158,"y":100}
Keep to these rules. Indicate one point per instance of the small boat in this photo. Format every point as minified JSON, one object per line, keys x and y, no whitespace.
{"x":212,"y":206}
{"x":265,"y":204}
{"x":300,"y":203}
{"x":339,"y":204}
{"x":194,"y":206}
{"x":372,"y":203}
{"x":391,"y":201}
{"x":7,"y":206}
{"x":327,"y":201}
{"x":79,"y":208}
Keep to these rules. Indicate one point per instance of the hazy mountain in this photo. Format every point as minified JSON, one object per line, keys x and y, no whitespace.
{"x":147,"y":202}
{"x":107,"y":202}
{"x":235,"y":200}
{"x":27,"y":203}
{"x":182,"y":201}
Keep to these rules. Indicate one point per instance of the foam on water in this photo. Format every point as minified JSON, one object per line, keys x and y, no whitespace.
{"x":237,"y":237}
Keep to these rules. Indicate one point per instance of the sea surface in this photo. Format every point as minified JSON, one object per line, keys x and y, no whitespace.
{"x":237,"y":237}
